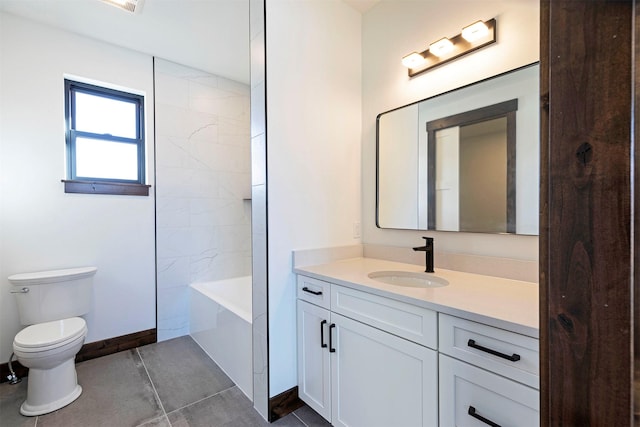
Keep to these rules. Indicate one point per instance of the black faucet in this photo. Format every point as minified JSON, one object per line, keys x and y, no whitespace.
{"x":428,"y":253}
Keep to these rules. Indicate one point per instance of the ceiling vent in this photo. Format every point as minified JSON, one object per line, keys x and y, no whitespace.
{"x":132,"y":6}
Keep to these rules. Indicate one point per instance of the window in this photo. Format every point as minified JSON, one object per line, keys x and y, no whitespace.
{"x":105,"y":140}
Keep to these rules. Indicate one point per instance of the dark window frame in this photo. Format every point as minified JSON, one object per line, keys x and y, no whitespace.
{"x":95,"y":185}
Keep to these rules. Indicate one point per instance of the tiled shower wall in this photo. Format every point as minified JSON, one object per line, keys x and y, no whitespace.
{"x":203,"y":186}
{"x":259,"y":182}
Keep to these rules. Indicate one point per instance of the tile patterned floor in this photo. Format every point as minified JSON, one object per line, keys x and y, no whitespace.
{"x":168,"y":384}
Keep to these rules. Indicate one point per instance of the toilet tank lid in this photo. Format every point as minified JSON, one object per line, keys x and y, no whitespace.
{"x":52,"y":276}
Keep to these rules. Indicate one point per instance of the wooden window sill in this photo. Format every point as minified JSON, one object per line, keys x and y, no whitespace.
{"x":102,"y":187}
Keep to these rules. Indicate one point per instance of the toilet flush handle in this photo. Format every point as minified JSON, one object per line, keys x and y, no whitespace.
{"x":21,"y":291}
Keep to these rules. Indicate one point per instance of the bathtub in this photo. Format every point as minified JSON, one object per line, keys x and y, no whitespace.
{"x":220,"y":322}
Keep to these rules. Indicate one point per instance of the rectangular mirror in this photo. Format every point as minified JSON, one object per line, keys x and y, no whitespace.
{"x":466,"y":160}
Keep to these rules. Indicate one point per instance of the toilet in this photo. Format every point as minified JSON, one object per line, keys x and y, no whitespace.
{"x":49,"y":303}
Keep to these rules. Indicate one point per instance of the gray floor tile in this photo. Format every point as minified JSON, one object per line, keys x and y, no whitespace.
{"x":229,"y":408}
{"x":289,"y":420}
{"x":116,"y":392}
{"x":163,"y":421}
{"x":182,"y":372}
{"x":11,"y":397}
{"x":311,"y":418}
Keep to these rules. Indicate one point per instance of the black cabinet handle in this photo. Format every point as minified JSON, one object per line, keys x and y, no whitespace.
{"x":331,"y":349}
{"x":322,"y":344}
{"x":474,"y":414}
{"x":514,"y":357}
{"x":312,"y":292}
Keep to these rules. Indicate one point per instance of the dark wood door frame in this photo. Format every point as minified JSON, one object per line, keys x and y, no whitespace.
{"x":636,"y":221}
{"x":586,"y":241}
{"x":507,"y":110}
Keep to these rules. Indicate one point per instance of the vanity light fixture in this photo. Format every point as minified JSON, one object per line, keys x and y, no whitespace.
{"x":475,"y":31}
{"x":128,"y":5}
{"x":473,"y":37}
{"x":441,"y":48}
{"x":413,"y":60}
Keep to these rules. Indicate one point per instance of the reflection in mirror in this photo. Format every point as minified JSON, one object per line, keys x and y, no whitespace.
{"x":484,"y":197}
{"x":472,"y":181}
{"x":441,"y":165}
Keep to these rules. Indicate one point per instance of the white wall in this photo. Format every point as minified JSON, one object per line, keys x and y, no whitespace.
{"x":43,"y":228}
{"x":203,"y":174}
{"x":393,"y":29}
{"x":259,"y":303}
{"x":313,"y":151}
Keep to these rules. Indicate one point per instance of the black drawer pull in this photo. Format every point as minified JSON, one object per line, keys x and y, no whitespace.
{"x":322,"y":344}
{"x":312,"y":292}
{"x":331,"y":349}
{"x":472,"y":412}
{"x":514,"y":357}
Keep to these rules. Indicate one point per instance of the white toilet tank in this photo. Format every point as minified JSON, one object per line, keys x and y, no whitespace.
{"x":53,"y":295}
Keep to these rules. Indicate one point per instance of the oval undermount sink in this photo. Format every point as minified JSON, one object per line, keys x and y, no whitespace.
{"x":408,"y":279}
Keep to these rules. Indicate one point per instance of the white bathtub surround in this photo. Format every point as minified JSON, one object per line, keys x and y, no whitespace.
{"x":203,"y":178}
{"x":508,"y":268}
{"x":220,"y":322}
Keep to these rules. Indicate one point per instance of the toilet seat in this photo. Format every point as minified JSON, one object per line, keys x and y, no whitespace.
{"x":46,"y":336}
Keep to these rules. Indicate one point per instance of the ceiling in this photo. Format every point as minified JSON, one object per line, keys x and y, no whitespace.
{"x":210,"y":35}
{"x":362,"y":5}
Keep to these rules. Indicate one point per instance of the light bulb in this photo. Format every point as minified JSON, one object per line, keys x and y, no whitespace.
{"x":441,"y":47}
{"x":413,"y":60}
{"x":475,"y":31}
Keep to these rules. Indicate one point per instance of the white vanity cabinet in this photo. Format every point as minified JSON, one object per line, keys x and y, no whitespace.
{"x":366,"y":360}
{"x":488,"y":376}
{"x":359,"y":361}
{"x":314,"y":361}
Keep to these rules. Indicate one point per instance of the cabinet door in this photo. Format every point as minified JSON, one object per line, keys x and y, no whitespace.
{"x":314,"y":370}
{"x":471,"y":396}
{"x":380,"y":380}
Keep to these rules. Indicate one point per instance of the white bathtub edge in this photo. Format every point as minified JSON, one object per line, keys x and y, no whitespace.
{"x":243,"y":311}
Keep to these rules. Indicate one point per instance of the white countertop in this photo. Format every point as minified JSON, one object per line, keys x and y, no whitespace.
{"x":503,"y":303}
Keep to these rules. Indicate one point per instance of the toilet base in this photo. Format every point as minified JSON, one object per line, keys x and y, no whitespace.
{"x":51,"y":389}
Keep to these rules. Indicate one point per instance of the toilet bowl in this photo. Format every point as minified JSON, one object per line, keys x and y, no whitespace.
{"x":49,"y":350}
{"x":49,"y":305}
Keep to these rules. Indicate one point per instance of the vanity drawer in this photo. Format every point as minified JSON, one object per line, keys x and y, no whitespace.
{"x":408,"y":321}
{"x":314,"y":291}
{"x":506,"y":353}
{"x":469,"y":394}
